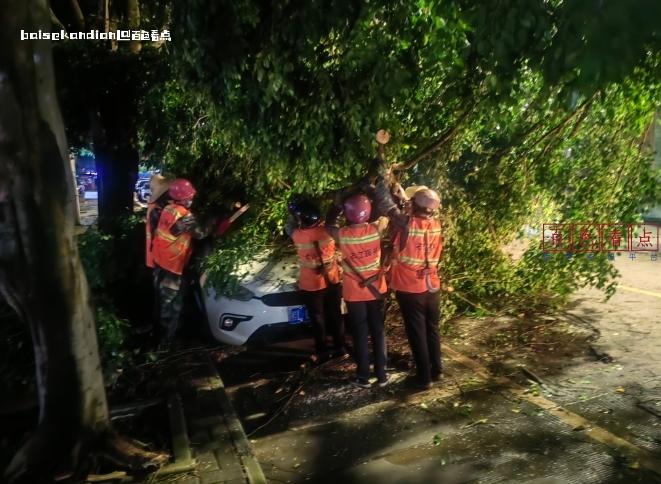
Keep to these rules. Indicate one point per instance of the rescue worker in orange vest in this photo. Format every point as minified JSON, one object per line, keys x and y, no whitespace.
{"x":363,"y":284}
{"x":172,"y":250}
{"x":158,"y":186}
{"x":319,"y":277}
{"x":417,"y":247}
{"x":158,"y":199}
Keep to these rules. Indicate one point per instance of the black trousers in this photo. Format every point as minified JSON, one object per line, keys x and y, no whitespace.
{"x":364,"y":317}
{"x":421,"y":313}
{"x":324,"y":308}
{"x":170,"y":290}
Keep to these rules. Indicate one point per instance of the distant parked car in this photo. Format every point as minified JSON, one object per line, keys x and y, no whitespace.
{"x":140,"y":186}
{"x":267,"y":308}
{"x":144,"y":193}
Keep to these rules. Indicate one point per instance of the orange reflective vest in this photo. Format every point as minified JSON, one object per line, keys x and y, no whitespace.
{"x":414,"y":266}
{"x":171,"y":252}
{"x":149,"y":255}
{"x":361,"y":245}
{"x":311,"y":276}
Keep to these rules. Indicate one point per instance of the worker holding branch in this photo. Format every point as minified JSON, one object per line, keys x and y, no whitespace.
{"x":416,"y":251}
{"x":172,"y":251}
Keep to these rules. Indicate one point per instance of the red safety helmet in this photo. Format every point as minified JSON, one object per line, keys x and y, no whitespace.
{"x":357,"y":209}
{"x":181,"y":190}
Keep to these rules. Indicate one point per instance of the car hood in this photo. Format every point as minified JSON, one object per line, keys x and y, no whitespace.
{"x":267,"y":273}
{"x":270,"y":275}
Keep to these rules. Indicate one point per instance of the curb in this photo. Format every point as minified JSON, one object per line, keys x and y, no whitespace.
{"x":252,"y":468}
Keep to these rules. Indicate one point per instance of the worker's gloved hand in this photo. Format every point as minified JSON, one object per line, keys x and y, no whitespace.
{"x":398,"y":192}
{"x":187,"y":222}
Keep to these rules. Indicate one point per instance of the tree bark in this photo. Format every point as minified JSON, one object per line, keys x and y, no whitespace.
{"x":114,"y":135}
{"x":40,"y":271}
{"x":133,"y":15}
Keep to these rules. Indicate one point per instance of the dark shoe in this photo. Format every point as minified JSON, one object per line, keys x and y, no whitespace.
{"x":318,"y":358}
{"x":436,"y":378}
{"x":415,"y":384}
{"x":383,"y":382}
{"x":340,"y":353}
{"x":360,"y":382}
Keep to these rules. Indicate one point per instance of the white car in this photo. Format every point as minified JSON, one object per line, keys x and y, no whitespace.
{"x":268,"y":307}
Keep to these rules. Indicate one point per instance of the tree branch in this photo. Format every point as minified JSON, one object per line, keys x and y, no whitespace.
{"x":562,"y":124}
{"x":56,"y":21}
{"x":77,"y":14}
{"x":442,"y":140}
{"x":554,"y":142}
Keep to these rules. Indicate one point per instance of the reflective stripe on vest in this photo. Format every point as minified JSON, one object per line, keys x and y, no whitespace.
{"x":410,"y":266}
{"x":311,"y":277}
{"x":172,"y":252}
{"x":361,"y":245}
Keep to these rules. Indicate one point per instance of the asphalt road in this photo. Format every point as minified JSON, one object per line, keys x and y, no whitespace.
{"x":593,"y":416}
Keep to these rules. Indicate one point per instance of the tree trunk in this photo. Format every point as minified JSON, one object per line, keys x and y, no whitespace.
{"x":114,"y":135}
{"x":133,"y":14}
{"x":40,"y":271}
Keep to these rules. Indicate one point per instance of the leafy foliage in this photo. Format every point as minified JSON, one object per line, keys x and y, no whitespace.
{"x":97,"y":251}
{"x":260,"y":237}
{"x":534,"y":119}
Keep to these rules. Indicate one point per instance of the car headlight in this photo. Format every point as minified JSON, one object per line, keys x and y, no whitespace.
{"x":243,"y":294}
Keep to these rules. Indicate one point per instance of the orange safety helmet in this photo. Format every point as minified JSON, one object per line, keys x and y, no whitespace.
{"x":427,"y":198}
{"x":181,"y":190}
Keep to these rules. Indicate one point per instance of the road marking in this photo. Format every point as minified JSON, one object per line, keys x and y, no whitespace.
{"x":592,"y":430}
{"x":640,"y":291}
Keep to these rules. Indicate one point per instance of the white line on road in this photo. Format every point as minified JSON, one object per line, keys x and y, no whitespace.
{"x":640,"y":291}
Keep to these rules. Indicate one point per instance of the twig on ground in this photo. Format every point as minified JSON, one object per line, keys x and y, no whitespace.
{"x":601,"y":356}
{"x":531,"y":375}
{"x":112,"y":476}
{"x":281,"y":409}
{"x":463,"y":298}
{"x":649,"y":409}
{"x":580,"y":321}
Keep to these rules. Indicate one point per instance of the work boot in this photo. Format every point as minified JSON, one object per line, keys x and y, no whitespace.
{"x":360,"y":382}
{"x":415,"y":384}
{"x":383,"y":382}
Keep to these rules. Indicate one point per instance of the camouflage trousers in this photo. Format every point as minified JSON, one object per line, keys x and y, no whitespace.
{"x":170,"y":302}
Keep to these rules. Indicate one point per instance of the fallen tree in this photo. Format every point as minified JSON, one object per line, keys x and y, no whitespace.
{"x":519,"y":113}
